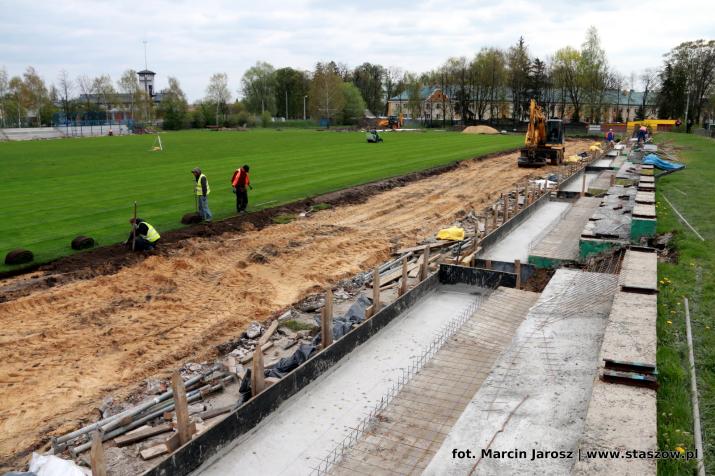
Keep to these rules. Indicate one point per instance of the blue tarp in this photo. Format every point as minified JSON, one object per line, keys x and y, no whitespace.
{"x":652,"y":159}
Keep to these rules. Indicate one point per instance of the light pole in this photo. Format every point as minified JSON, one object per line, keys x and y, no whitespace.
{"x":304,"y":98}
{"x":687,"y":105}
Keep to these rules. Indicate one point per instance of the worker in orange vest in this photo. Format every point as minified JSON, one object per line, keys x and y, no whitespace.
{"x":240,"y":182}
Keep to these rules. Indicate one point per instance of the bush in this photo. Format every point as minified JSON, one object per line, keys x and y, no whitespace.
{"x":266,"y":119}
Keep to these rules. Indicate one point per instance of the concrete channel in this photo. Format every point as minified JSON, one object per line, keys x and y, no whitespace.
{"x":295,"y":437}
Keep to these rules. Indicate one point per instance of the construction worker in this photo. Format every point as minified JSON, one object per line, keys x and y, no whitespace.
{"x":202,"y":191}
{"x":143,"y":236}
{"x":240,"y":181}
{"x":610,"y":137}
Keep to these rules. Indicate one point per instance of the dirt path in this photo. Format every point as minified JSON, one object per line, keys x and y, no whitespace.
{"x":65,"y":348}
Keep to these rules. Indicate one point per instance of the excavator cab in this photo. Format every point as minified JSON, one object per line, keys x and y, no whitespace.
{"x":554,"y":131}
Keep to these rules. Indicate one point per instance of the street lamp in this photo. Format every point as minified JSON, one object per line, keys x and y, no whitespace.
{"x":687,"y":106}
{"x":304,"y":98}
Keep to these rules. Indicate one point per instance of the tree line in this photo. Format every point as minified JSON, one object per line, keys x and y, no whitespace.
{"x":575,"y":84}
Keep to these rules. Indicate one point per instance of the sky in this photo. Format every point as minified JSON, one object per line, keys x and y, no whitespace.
{"x":191,"y":40}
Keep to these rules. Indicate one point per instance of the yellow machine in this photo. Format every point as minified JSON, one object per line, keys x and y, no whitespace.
{"x":544,"y":140}
{"x":391,"y":122}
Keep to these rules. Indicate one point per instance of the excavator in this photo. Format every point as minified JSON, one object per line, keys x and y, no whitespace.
{"x":544,"y":140}
{"x":391,"y":122}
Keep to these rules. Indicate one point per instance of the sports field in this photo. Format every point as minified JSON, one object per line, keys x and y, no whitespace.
{"x":58,"y":189}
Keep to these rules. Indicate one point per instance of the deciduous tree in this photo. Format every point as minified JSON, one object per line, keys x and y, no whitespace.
{"x":258,"y":87}
{"x":218,"y":93}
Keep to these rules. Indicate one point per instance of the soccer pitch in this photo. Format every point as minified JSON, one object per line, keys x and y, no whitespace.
{"x":58,"y":189}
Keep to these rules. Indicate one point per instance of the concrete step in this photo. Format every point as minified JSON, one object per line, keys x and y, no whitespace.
{"x":413,"y":426}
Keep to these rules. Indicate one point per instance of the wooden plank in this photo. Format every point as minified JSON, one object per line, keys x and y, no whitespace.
{"x":154,"y":451}
{"x":326,"y":320}
{"x":438,"y":244}
{"x":181,"y":408}
{"x":96,"y":455}
{"x":264,"y":348}
{"x":269,"y":332}
{"x":133,"y":437}
{"x":215,"y":412}
{"x":396,"y":274}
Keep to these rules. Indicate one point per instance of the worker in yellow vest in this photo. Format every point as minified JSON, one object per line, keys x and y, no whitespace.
{"x":143,"y":236}
{"x":202,"y":191}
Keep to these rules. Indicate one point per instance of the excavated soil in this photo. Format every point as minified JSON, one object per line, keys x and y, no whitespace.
{"x":99,"y":323}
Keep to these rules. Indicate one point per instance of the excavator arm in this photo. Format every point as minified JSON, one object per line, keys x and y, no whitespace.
{"x":536,"y":132}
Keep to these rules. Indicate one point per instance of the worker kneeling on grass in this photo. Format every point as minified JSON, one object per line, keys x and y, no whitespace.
{"x":143,"y":235}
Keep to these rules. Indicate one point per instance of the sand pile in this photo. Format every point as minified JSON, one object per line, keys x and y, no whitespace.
{"x":480,"y":130}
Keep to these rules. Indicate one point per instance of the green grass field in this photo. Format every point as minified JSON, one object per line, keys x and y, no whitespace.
{"x":691,"y":192}
{"x":55,"y":190}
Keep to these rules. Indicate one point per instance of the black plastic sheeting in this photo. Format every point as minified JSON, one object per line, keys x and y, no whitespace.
{"x":341,"y":326}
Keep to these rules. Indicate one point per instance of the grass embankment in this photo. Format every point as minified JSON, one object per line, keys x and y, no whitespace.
{"x":56,"y":190}
{"x":692,"y":193}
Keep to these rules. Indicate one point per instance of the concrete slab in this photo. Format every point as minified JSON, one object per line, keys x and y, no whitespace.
{"x":645,"y":197}
{"x":605,"y":163}
{"x":294,"y":438}
{"x":602,"y":182}
{"x":561,"y":243}
{"x":537,"y":396}
{"x":643,"y":210}
{"x":516,"y":244}
{"x":647,"y":179}
{"x":630,"y":334}
{"x":619,"y":416}
{"x":639,"y":271}
{"x":576,"y":184}
{"x":411,"y":429}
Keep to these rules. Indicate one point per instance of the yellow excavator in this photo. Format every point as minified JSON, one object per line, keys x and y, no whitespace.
{"x":544,"y":140}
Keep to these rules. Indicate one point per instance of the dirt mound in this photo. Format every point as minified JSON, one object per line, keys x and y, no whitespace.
{"x":480,"y":130}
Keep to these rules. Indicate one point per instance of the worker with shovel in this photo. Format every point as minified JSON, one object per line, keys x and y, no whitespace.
{"x":240,"y":181}
{"x":143,"y":236}
{"x":202,"y":191}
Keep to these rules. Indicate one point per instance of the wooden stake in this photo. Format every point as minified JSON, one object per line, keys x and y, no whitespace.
{"x":403,"y":284}
{"x":258,"y":382}
{"x":494,"y":219}
{"x":134,"y":227}
{"x":326,"y":320}
{"x":474,"y":251}
{"x":504,"y":208}
{"x":96,"y":455}
{"x":182,"y":408}
{"x":516,"y":201}
{"x":517,"y":271}
{"x":583,"y":184}
{"x":424,"y":271}
{"x":376,"y":289}
{"x":613,"y":180}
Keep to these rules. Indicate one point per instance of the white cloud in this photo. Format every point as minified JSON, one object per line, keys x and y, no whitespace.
{"x":191,"y":40}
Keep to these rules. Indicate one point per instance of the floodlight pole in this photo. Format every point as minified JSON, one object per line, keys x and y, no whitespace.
{"x":304,"y":98}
